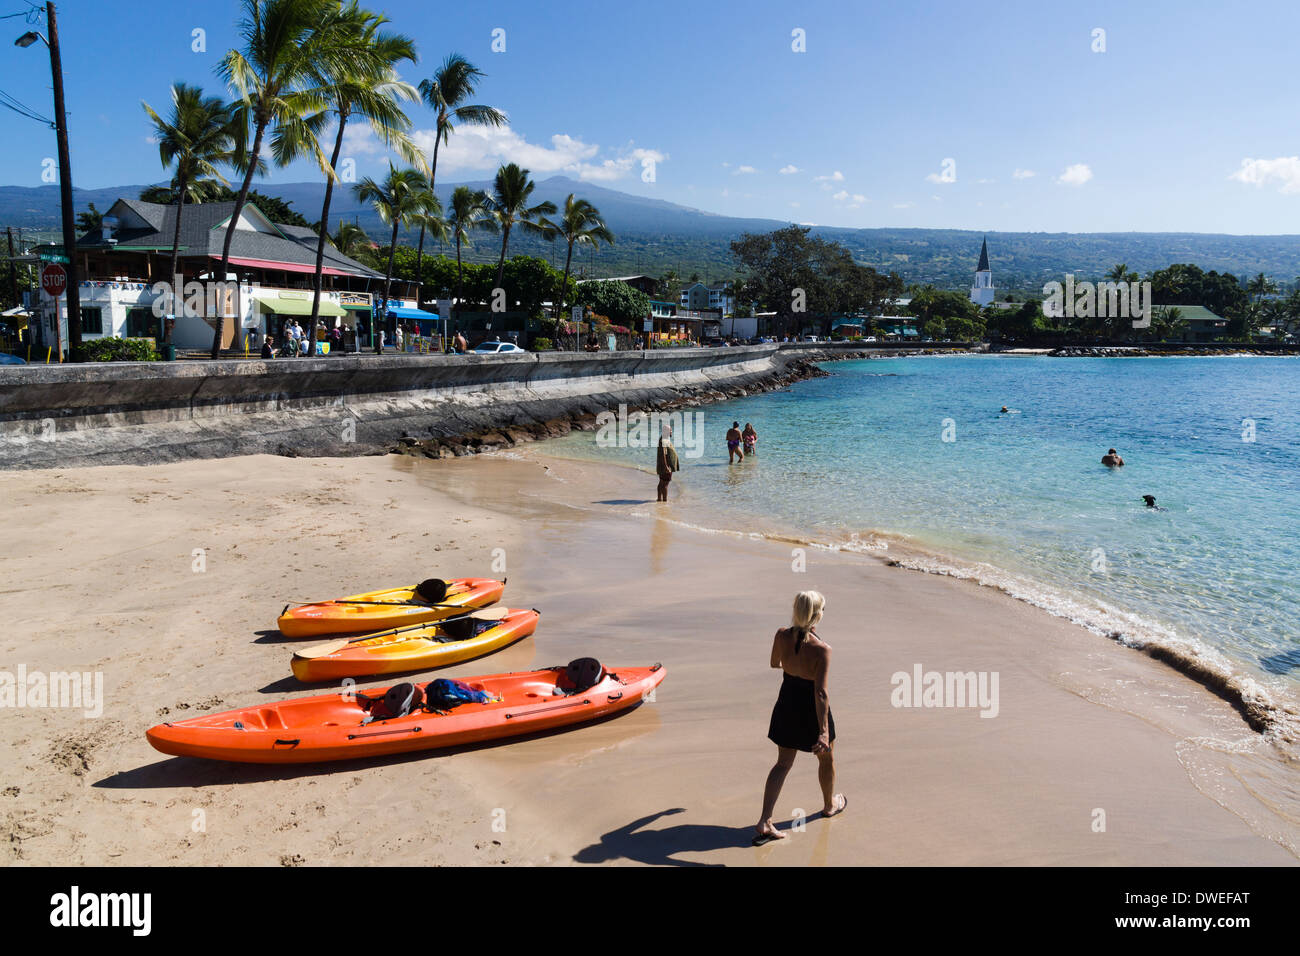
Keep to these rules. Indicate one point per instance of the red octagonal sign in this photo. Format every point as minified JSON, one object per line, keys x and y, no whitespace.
{"x":54,"y":279}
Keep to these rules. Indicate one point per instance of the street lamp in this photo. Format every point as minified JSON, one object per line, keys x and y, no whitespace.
{"x":73,"y":292}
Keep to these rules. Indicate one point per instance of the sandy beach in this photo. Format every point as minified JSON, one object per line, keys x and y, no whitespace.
{"x":168,"y":579}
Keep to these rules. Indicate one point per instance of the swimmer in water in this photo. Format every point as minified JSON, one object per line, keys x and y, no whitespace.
{"x":1004,"y":410}
{"x":734,"y":452}
{"x":1112,"y":459}
{"x":750,"y":438}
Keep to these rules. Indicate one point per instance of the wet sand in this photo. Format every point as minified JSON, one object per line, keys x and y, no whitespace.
{"x":101,"y":574}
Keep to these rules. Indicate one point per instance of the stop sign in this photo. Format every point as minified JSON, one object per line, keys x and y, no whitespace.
{"x":54,"y":279}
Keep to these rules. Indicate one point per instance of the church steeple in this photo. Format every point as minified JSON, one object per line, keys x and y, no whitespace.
{"x":981,"y":293}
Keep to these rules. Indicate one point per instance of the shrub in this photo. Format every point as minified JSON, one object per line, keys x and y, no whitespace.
{"x":117,"y":350}
{"x":542,"y":345}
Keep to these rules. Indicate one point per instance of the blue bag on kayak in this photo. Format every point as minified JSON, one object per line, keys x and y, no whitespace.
{"x":444,"y":694}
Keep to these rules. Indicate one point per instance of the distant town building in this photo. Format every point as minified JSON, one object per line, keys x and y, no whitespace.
{"x":981,"y":293}
{"x":709,"y":298}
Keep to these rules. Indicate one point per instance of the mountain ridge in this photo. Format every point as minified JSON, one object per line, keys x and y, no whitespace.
{"x":655,"y":235}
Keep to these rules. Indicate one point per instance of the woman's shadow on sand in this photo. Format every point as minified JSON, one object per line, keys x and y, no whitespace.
{"x":657,"y":847}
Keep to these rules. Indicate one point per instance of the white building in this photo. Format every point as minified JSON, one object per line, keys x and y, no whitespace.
{"x":981,"y":293}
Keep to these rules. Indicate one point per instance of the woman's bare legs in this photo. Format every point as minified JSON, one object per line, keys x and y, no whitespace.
{"x":832,"y":802}
{"x":775,"y":780}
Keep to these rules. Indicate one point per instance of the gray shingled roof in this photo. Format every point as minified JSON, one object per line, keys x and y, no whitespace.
{"x":200,"y":237}
{"x":984,"y":258}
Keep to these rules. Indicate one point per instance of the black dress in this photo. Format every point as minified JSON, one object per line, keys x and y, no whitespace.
{"x":794,"y":718}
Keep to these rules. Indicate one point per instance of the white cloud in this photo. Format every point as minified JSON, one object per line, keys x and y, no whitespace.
{"x":1283,"y":171}
{"x":835,"y":177}
{"x":484,"y":148}
{"x":1075,"y":175}
{"x":858,"y":197}
{"x":744,"y":169}
{"x":788,"y":170}
{"x":1023,"y":174}
{"x":840,"y":196}
{"x":940,"y":178}
{"x":903,"y":205}
{"x":985,"y":182}
{"x":794,"y":205}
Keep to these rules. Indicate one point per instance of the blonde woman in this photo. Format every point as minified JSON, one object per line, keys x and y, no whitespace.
{"x":801,"y":719}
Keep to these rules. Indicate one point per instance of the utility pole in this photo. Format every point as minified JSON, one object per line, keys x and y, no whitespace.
{"x":65,"y":187}
{"x":73,"y":291}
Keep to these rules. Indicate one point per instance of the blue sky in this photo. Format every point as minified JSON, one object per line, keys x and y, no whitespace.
{"x":1188,"y":121}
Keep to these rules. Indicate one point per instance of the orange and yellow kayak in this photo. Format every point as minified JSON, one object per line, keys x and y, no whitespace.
{"x":380,"y":610}
{"x":419,"y":648}
{"x":329,"y":726}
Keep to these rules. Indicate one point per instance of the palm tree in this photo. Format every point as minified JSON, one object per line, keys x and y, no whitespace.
{"x":446,"y":91}
{"x":510,"y":194}
{"x":470,"y":210}
{"x":200,"y":136}
{"x":396,"y":199}
{"x":1261,"y":286}
{"x":1119,"y":273}
{"x":291,"y":48}
{"x":580,"y":225}
{"x":351,"y":240}
{"x":368,"y":88}
{"x":429,"y":218}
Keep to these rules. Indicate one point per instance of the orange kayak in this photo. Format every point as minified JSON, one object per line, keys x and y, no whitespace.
{"x":420,"y":648}
{"x":380,"y":610}
{"x":329,"y":726}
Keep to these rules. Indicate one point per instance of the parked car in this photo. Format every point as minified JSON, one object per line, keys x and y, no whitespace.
{"x":869,"y":338}
{"x":495,"y":348}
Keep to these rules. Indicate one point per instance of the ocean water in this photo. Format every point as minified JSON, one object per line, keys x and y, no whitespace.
{"x":912,"y":454}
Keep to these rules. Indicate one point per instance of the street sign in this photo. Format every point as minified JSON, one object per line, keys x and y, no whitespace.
{"x":53,"y":257}
{"x":54,"y":279}
{"x":577,"y":313}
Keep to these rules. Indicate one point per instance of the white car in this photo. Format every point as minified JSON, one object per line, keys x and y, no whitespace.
{"x":492,"y":348}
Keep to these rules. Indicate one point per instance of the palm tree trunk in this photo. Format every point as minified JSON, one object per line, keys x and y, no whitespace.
{"x":419,"y":253}
{"x":460,"y":278}
{"x":559,"y":299}
{"x":388,"y":277}
{"x":240,"y":200}
{"x":501,"y":265}
{"x":319,"y":279}
{"x":178,"y":290}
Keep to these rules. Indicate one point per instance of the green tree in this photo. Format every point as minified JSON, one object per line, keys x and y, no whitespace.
{"x":455,"y":81}
{"x":511,"y":192}
{"x":290,"y":49}
{"x":399,"y":197}
{"x":470,"y":211}
{"x":92,"y":218}
{"x":364,"y":85}
{"x":623,"y":304}
{"x":579,"y":225}
{"x":200,"y":135}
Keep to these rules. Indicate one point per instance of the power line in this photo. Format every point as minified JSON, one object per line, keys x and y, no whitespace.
{"x":22,"y":109}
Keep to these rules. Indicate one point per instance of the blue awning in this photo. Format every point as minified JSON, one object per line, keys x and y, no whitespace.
{"x":406,"y":312}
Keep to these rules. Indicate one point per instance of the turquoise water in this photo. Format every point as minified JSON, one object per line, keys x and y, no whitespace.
{"x":1021,"y":499}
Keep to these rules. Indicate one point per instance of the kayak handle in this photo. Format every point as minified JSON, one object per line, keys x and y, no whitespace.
{"x":288,"y":743}
{"x":655,"y":668}
{"x":614,"y":697}
{"x":382,"y":733}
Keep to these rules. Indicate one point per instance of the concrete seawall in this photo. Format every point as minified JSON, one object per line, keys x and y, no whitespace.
{"x":139,"y":413}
